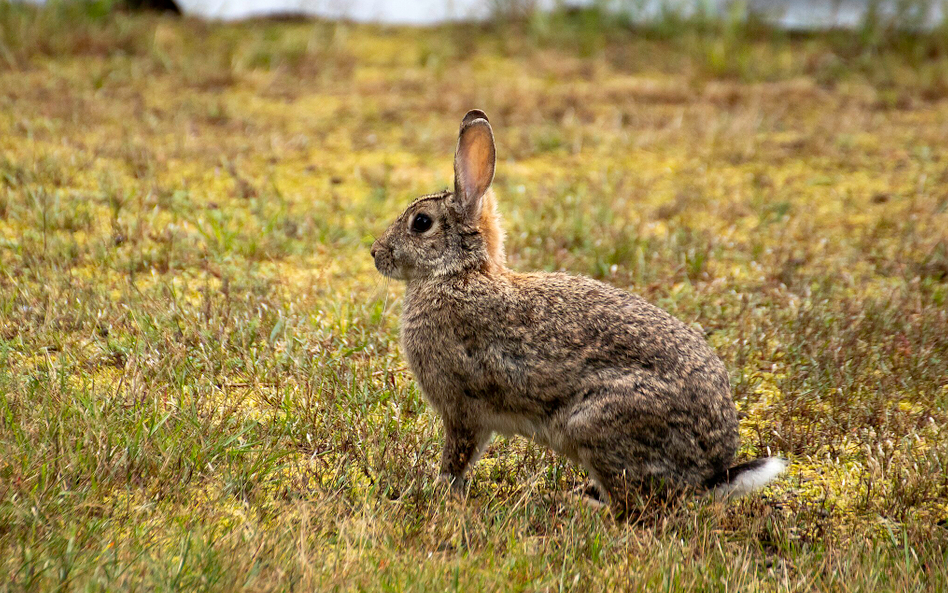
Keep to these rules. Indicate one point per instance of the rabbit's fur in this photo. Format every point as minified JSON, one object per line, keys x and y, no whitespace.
{"x":595,"y":373}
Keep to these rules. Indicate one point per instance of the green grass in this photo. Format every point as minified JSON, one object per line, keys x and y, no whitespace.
{"x":200,"y":380}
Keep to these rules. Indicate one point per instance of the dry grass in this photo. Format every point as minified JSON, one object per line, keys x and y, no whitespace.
{"x":200,"y":384}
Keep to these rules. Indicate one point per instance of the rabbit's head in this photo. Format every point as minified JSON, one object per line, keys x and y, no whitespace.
{"x":451,"y":231}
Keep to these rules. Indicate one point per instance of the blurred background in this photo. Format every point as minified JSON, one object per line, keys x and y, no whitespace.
{"x":200,"y":378}
{"x":785,"y":14}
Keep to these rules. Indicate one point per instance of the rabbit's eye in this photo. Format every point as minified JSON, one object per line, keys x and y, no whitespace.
{"x":421,"y":223}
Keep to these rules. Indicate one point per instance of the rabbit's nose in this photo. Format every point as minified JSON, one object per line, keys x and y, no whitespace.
{"x":374,"y":250}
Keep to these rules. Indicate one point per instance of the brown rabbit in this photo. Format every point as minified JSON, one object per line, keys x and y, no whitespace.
{"x":599,"y":375}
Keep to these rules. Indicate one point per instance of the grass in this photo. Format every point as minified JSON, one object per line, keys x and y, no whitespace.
{"x":200,"y":381}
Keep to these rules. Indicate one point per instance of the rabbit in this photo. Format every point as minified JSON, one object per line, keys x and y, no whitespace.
{"x":597,"y":374}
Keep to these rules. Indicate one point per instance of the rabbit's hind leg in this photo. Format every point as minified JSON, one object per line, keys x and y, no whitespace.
{"x":621,"y":439}
{"x":590,"y":494}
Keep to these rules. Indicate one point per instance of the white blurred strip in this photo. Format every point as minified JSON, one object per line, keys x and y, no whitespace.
{"x":403,"y":12}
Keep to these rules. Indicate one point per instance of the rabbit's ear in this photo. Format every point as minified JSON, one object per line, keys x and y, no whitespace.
{"x":473,"y":163}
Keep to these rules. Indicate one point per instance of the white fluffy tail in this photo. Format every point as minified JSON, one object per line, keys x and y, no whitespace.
{"x":746,"y":477}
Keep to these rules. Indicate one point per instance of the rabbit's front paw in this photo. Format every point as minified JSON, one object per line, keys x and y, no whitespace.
{"x":453,"y":484}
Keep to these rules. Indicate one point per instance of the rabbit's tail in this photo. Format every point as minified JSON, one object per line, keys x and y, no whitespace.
{"x":745,"y":477}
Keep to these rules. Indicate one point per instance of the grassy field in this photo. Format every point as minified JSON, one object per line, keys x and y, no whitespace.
{"x":200,"y":380}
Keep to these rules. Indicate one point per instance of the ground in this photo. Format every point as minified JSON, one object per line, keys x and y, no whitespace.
{"x":200,"y":380}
